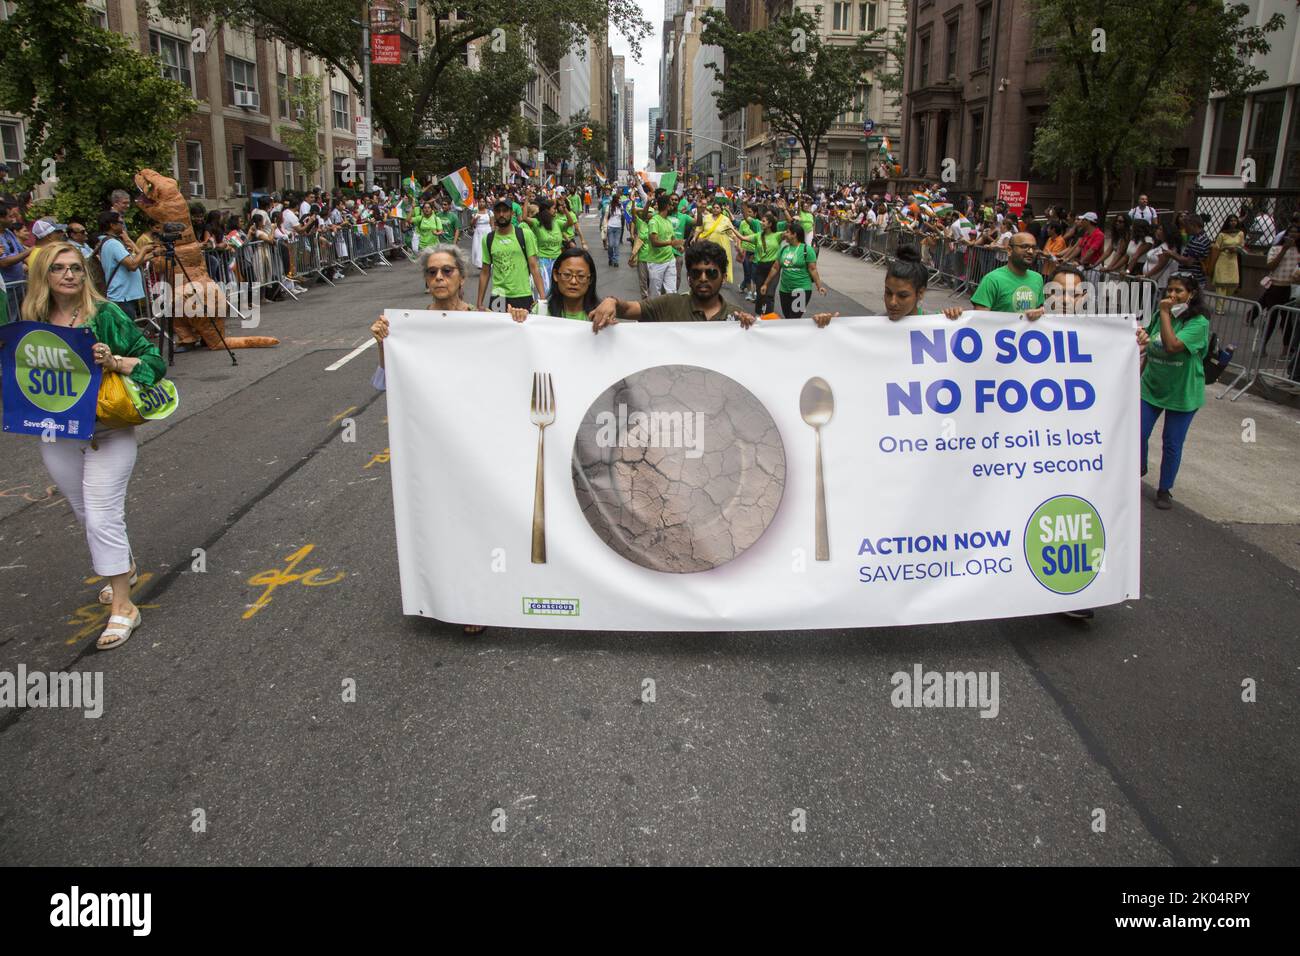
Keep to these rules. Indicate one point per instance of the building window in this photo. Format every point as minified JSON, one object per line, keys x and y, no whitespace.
{"x":923,"y":61}
{"x":174,"y":55}
{"x":10,"y":145}
{"x":1265,"y":132}
{"x":1291,"y":158}
{"x":282,"y":93}
{"x":241,"y":77}
{"x":1227,"y":132}
{"x":842,"y":17}
{"x":176,"y":161}
{"x":98,"y":17}
{"x":950,"y":48}
{"x":339,"y":107}
{"x":857,"y":110}
{"x":976,"y":140}
{"x":985,"y":43}
{"x":237,"y":169}
{"x":194,"y":167}
{"x":866,"y":16}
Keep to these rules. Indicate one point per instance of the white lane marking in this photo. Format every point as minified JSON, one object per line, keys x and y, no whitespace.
{"x":351,"y":355}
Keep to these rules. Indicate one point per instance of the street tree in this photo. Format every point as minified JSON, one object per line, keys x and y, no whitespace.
{"x":432,"y":98}
{"x":1126,"y":78}
{"x":304,"y":106}
{"x":97,"y":109}
{"x":802,"y":81}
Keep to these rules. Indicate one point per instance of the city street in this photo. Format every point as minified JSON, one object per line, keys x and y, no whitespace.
{"x":230,"y":700}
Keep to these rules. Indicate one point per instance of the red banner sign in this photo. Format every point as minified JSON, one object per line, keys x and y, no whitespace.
{"x":1014,"y":193}
{"x":386,"y":49}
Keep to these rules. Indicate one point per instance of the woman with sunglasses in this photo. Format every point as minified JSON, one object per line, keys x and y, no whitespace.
{"x":444,"y":276}
{"x":93,"y":475}
{"x":573,"y":289}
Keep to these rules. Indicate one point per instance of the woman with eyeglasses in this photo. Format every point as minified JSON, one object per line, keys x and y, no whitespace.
{"x":444,"y":276}
{"x":573,"y":289}
{"x":93,"y":475}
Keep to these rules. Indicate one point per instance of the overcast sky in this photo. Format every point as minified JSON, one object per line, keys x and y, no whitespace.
{"x":645,"y":74}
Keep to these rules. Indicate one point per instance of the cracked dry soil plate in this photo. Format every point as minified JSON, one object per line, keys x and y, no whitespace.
{"x":706,"y":492}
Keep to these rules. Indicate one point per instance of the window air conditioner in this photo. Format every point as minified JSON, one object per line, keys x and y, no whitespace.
{"x":246,"y":98}
{"x":196,"y":189}
{"x":300,"y":113}
{"x":239,"y":189}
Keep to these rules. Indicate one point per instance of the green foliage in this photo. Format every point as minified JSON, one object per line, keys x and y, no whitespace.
{"x":95,"y":106}
{"x":802,"y":82}
{"x":304,"y":101}
{"x":1127,"y":105}
{"x":433,"y":97}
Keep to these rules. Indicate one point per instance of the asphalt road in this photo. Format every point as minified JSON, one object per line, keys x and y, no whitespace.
{"x":1138,"y":714}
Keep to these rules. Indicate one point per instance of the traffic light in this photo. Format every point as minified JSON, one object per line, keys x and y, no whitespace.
{"x":662,"y":138}
{"x":586,"y":133}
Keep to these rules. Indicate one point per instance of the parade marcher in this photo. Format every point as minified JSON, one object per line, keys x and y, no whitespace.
{"x":573,"y":289}
{"x":93,"y":476}
{"x":444,"y":277}
{"x":613,"y":213}
{"x":428,"y":223}
{"x":546,"y":226}
{"x":1173,"y":378}
{"x":796,"y":267}
{"x":509,"y":262}
{"x":658,"y":249}
{"x":449,"y":224}
{"x":1014,"y":287}
{"x":906,"y":281}
{"x":482,"y":226}
{"x":765,"y":246}
{"x":716,"y":226}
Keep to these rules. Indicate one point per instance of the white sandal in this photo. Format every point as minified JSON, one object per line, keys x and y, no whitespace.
{"x":120,"y":629}
{"x":106,"y":592}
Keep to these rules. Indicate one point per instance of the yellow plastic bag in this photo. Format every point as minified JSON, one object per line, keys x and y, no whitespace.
{"x":114,"y":408}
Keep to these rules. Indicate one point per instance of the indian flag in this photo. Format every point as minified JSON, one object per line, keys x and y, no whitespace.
{"x":665,"y":181}
{"x":411,"y":185}
{"x":459,"y":187}
{"x":940,"y":207}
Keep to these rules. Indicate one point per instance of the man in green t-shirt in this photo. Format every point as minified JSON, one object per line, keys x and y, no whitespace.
{"x":682,"y":224}
{"x":509,"y":262}
{"x":449,"y":224}
{"x":1013,"y":287}
{"x":659,"y":250}
{"x":641,"y":216}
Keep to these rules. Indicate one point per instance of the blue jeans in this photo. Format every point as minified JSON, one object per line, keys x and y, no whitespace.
{"x":747,"y":279}
{"x":544,"y":266}
{"x":612,"y":238}
{"x":1171,"y":440}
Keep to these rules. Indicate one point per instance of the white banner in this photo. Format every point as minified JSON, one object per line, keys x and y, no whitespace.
{"x":979,"y":468}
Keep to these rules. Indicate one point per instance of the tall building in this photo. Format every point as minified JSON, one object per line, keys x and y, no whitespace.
{"x":975,"y":94}
{"x":619,"y":152}
{"x":231,"y":148}
{"x":653,"y":126}
{"x":629,"y":113}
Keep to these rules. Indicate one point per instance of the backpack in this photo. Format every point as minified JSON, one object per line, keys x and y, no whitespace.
{"x":519,"y":236}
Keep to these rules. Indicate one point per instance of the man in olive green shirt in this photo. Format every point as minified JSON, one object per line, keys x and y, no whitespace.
{"x":706,"y":268}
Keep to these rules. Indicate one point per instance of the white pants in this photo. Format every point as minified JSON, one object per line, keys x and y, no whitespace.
{"x":663,"y":277}
{"x":94,"y":482}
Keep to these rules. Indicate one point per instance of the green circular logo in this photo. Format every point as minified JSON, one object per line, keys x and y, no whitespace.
{"x":1065,"y":544}
{"x":50,"y":374}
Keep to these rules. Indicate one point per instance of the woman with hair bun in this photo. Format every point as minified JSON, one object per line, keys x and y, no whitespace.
{"x":905,"y":283}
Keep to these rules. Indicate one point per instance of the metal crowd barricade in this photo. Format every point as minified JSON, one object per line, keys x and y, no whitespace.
{"x":1276,"y":356}
{"x":223,"y":268}
{"x":980,"y":261}
{"x":1237,"y":323}
{"x":304,"y":258}
{"x":15,"y":292}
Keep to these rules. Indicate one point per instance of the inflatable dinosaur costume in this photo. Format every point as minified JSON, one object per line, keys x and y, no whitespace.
{"x":161,"y":201}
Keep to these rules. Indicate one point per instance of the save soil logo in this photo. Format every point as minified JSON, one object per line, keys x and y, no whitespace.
{"x":1065,"y":544}
{"x":49,"y":372}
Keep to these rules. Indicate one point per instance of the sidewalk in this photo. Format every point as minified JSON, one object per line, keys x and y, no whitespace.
{"x":1228,"y":475}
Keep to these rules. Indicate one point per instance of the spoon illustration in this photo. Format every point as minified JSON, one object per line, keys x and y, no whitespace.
{"x":816,"y":405}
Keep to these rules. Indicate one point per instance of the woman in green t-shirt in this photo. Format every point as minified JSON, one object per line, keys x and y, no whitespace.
{"x":765,"y":244}
{"x":573,"y":293}
{"x":796,"y":265}
{"x":1173,"y":375}
{"x":549,"y":232}
{"x":93,"y":475}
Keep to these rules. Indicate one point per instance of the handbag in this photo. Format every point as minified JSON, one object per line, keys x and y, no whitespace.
{"x":123,"y":401}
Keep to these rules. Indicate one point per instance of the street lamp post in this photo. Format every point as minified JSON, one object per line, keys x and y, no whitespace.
{"x":541,"y":125}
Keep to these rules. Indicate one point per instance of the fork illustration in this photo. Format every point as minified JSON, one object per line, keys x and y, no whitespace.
{"x":541,"y":413}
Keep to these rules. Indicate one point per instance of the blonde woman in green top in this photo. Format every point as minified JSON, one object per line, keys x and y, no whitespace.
{"x":93,"y":475}
{"x":1173,"y":375}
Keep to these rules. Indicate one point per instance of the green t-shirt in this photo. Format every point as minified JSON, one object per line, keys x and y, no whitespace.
{"x":642,"y":229}
{"x":680,"y":222}
{"x":450,"y":222}
{"x":575,"y":203}
{"x":543,"y":308}
{"x":765,"y":245}
{"x":1004,"y":291}
{"x":566,"y":227}
{"x":510,"y":274}
{"x":1176,"y":380}
{"x":663,"y":228}
{"x":794,"y":266}
{"x":427,"y":229}
{"x":806,"y":218}
{"x":519,"y":211}
{"x":550,"y":242}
